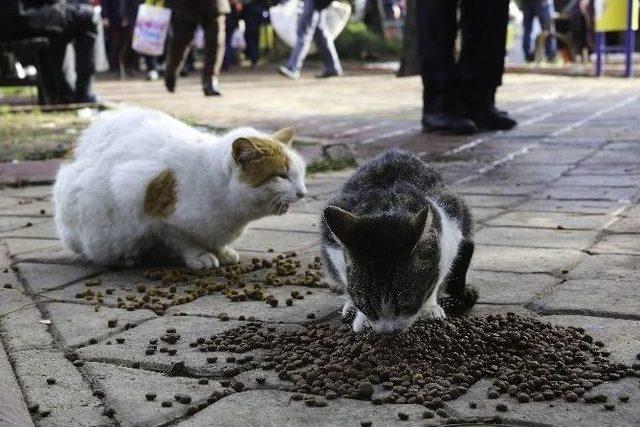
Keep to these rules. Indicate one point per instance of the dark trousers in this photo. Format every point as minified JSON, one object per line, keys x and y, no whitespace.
{"x":541,"y":9}
{"x":119,"y":43}
{"x":473,"y":78}
{"x":252,"y":15}
{"x":184,"y":26}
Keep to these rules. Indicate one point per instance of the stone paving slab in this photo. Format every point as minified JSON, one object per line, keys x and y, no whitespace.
{"x":622,"y":337}
{"x":556,"y":413}
{"x":570,"y":192}
{"x":523,"y":259}
{"x":619,"y":244}
{"x":70,"y":399}
{"x":50,"y":276}
{"x":126,"y":389}
{"x":275,"y":408}
{"x":321,"y":303}
{"x":78,"y":323}
{"x":608,"y":267}
{"x":592,"y":297}
{"x":13,"y":410}
{"x":535,"y":237}
{"x":190,"y":328}
{"x":589,"y":207}
{"x":625,"y":225}
{"x":509,"y":288}
{"x":551,"y":220}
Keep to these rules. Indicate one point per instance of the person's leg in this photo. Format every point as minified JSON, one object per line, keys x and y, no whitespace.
{"x":527,"y":25}
{"x":324,"y":42}
{"x":484,"y":35}
{"x":214,"y":42}
{"x":252,"y":16}
{"x":183,"y":29}
{"x":83,"y":31}
{"x":231,"y":23}
{"x":545,"y":15}
{"x":307,"y":21}
{"x":437,"y":27}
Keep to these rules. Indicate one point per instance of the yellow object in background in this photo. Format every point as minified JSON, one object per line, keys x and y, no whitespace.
{"x":611,"y":15}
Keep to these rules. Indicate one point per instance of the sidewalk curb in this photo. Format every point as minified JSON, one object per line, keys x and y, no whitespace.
{"x":13,"y":409}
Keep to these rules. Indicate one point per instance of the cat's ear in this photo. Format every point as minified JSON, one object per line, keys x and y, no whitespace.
{"x":342,"y":224}
{"x":284,"y":135}
{"x":419,"y":222}
{"x":243,"y":151}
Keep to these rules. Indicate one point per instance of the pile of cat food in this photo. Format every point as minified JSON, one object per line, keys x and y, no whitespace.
{"x":239,"y":282}
{"x":432,"y":362}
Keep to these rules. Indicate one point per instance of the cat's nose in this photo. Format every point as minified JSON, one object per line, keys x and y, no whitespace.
{"x":301,"y":193}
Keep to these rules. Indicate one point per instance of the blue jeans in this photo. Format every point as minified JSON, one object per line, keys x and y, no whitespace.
{"x":312,"y":26}
{"x":542,"y":9}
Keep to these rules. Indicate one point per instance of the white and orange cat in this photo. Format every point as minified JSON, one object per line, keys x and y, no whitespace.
{"x":140,"y":178}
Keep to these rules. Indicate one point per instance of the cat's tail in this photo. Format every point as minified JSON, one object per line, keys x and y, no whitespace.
{"x":461,"y":303}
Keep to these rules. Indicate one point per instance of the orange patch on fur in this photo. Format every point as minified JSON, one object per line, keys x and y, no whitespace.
{"x":160,"y":198}
{"x":259,"y":159}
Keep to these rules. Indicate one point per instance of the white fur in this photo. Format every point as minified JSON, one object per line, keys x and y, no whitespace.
{"x":99,"y":196}
{"x":450,"y":238}
{"x":336,"y":257}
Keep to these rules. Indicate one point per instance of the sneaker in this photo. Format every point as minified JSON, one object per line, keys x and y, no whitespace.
{"x":212,"y":88}
{"x":153,"y":75}
{"x":328,"y":74}
{"x":293,"y":75}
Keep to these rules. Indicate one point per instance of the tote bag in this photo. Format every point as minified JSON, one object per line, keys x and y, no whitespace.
{"x":150,"y":32}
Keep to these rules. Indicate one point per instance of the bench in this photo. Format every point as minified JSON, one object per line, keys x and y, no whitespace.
{"x":30,"y":50}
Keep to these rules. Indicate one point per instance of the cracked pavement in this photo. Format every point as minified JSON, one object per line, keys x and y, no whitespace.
{"x":557,"y":209}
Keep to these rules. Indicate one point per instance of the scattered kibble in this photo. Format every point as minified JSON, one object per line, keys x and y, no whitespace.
{"x":150,"y":396}
{"x":502,"y":407}
{"x":112,"y":323}
{"x":403,"y":416}
{"x":167,"y":404}
{"x":51,"y":381}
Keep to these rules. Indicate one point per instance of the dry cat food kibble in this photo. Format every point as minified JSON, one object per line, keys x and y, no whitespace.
{"x":432,"y":362}
{"x":248,"y":281}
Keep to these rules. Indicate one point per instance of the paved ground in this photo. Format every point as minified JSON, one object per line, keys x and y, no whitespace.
{"x":556,"y":203}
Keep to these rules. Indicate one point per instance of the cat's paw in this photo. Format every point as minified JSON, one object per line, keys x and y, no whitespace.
{"x":359,"y":322}
{"x":205,"y":260}
{"x":227,"y":256}
{"x":129,"y":260}
{"x":348,"y":308}
{"x":433,"y":311}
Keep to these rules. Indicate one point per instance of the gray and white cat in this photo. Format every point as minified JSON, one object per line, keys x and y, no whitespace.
{"x":392,"y":237}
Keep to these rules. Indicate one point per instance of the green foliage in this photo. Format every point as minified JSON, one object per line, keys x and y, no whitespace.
{"x":357,"y":41}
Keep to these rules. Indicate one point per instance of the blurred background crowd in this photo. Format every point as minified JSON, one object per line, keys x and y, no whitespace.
{"x":80,"y":37}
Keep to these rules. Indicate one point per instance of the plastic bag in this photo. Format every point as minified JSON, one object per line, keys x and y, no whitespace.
{"x":284,"y":18}
{"x":150,"y":32}
{"x":237,"y":40}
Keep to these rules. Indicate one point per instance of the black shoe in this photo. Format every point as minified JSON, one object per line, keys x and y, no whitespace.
{"x":448,"y":123}
{"x":86,"y":99}
{"x":493,"y":119}
{"x":212,"y":89}
{"x":328,"y":74}
{"x":170,"y":83}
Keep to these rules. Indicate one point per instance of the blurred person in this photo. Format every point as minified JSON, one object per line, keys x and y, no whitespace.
{"x":543,"y":10}
{"x":186,"y":15}
{"x":252,"y":13}
{"x":115,"y":18}
{"x":312,"y":26}
{"x":132,"y":58}
{"x":62,"y":23}
{"x":459,"y":95}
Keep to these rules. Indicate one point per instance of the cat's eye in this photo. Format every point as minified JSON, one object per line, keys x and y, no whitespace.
{"x":283,"y":176}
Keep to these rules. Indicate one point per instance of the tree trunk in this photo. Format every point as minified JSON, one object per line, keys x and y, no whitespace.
{"x":410,"y":63}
